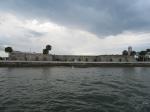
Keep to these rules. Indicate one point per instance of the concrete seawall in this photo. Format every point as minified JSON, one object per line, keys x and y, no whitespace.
{"x":77,"y":64}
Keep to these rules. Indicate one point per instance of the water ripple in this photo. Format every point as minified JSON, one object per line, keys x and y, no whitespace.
{"x":62,"y":89}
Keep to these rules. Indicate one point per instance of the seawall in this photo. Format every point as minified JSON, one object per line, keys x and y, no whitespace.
{"x":76,"y":64}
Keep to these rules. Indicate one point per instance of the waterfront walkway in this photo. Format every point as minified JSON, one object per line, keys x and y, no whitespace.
{"x":77,"y":64}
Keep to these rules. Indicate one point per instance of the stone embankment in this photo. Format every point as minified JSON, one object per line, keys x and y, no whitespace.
{"x":76,"y":64}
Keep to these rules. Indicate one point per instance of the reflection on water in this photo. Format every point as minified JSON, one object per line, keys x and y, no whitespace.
{"x":63,"y":89}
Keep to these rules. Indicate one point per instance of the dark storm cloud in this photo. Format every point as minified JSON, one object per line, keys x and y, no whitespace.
{"x":102,"y":17}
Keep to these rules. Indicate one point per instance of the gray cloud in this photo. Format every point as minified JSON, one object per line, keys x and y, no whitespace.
{"x":33,"y":34}
{"x":2,"y":48}
{"x":101,"y":17}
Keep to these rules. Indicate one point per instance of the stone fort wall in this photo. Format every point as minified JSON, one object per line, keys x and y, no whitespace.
{"x":22,"y":56}
{"x":99,"y":58}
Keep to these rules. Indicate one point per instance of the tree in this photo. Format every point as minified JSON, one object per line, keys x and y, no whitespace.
{"x":147,"y":50}
{"x":125,"y":53}
{"x":1,"y":58}
{"x":48,"y":47}
{"x":133,"y":53}
{"x":45,"y":51}
{"x":142,"y":53}
{"x":8,"y":49}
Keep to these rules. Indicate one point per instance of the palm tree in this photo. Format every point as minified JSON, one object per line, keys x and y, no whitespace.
{"x":49,"y":47}
{"x":133,"y":53}
{"x":45,"y":51}
{"x":8,"y":49}
{"x":125,"y":53}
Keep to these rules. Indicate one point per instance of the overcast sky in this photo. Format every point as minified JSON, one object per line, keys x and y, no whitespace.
{"x":75,"y":26}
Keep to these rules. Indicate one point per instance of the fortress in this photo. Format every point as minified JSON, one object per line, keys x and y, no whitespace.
{"x":45,"y":56}
{"x":25,"y":56}
{"x":28,"y":59}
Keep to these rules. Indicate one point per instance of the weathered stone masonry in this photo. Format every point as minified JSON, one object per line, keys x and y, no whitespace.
{"x":23,"y":56}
